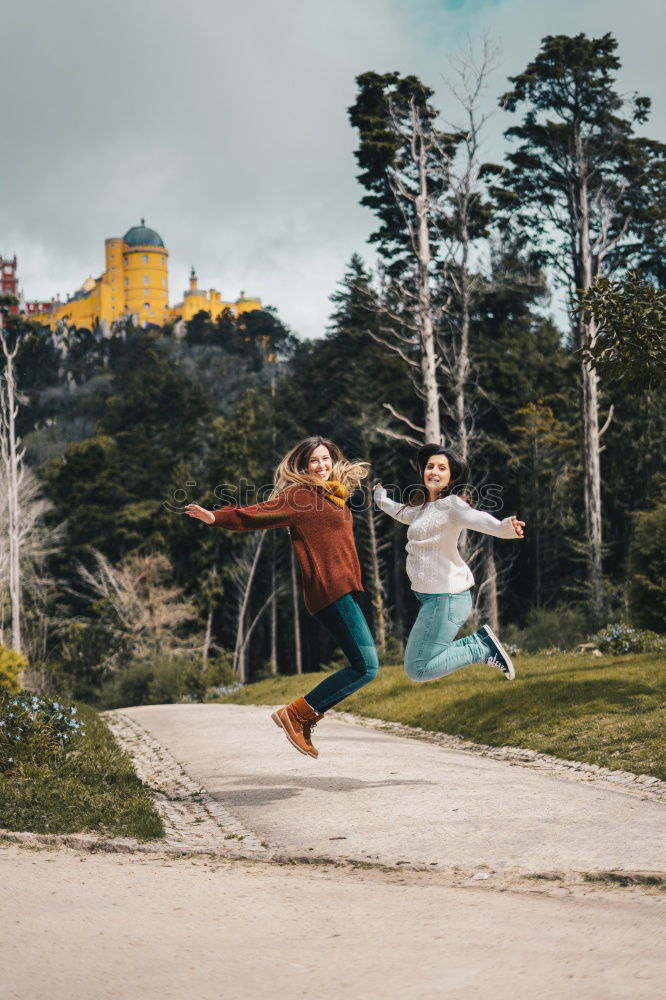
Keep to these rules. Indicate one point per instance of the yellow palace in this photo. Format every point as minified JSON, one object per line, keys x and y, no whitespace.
{"x":135,"y":282}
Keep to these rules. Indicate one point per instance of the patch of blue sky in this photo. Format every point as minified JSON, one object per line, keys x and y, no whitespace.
{"x":442,"y":26}
{"x":470,"y":5}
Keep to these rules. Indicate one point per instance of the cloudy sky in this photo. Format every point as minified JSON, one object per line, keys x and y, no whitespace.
{"x":225,"y":125}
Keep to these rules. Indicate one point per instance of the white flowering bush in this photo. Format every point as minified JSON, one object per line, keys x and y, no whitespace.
{"x":222,"y":690}
{"x":621,"y":639}
{"x":35,"y":731}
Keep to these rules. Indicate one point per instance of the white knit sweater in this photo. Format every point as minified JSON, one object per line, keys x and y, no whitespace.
{"x":434,"y":564}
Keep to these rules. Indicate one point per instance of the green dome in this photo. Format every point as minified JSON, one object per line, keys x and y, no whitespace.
{"x":142,"y":236}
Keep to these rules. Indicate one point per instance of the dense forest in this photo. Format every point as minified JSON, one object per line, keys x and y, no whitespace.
{"x":114,"y":595}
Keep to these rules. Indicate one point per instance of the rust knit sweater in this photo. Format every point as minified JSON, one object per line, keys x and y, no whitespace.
{"x":321,"y":533}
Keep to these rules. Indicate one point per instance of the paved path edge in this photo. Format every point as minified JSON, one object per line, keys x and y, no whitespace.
{"x":643,"y":785}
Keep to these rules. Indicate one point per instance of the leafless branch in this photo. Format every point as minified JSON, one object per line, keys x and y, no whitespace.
{"x":394,"y":435}
{"x":608,"y":420}
{"x":405,"y":420}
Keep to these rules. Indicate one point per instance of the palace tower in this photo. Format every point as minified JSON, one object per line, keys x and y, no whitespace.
{"x":135,"y":283}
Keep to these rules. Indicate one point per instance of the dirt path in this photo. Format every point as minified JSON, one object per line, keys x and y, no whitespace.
{"x":390,"y":867}
{"x":137,"y":927}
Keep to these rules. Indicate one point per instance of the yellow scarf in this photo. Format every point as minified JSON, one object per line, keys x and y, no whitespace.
{"x":332,"y":489}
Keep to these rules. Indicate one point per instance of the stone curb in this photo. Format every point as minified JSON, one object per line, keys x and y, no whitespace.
{"x":194,"y":821}
{"x":642,"y":785}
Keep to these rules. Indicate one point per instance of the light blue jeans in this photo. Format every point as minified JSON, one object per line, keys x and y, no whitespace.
{"x":431,"y":651}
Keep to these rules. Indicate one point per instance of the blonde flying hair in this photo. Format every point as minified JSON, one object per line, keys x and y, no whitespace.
{"x":293,"y":467}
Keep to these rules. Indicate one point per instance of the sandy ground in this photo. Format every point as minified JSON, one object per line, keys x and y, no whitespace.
{"x":114,"y":927}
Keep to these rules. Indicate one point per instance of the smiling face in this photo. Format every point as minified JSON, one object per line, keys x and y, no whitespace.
{"x":436,"y":475}
{"x":320,"y":462}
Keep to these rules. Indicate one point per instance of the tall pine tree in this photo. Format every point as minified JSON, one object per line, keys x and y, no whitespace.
{"x":582,"y":188}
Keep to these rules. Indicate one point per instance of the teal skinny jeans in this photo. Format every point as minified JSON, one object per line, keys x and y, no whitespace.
{"x":431,"y":650}
{"x":346,"y":623}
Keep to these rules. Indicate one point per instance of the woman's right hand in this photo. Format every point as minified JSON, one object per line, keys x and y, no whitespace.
{"x":194,"y":510}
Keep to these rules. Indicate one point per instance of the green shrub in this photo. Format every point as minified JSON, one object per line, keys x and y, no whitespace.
{"x":35,"y":731}
{"x":11,"y":665}
{"x":647,"y":569}
{"x":68,"y":775}
{"x":123,"y":688}
{"x":561,"y":627}
{"x":621,"y":639}
{"x":177,"y":680}
{"x":220,"y":671}
{"x":166,"y":680}
{"x":79,"y":666}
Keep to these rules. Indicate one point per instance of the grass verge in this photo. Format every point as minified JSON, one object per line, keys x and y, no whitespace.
{"x":624,"y":879}
{"x":609,"y":711}
{"x":92,"y":789}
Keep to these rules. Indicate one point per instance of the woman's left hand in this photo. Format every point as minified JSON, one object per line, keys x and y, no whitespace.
{"x":518,"y":526}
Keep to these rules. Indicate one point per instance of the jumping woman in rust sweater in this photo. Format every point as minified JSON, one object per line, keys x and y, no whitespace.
{"x":312,"y":484}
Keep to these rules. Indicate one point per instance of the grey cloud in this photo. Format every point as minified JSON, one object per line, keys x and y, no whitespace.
{"x":225,"y":125}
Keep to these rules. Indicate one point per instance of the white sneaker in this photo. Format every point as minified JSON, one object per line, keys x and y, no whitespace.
{"x":497,"y":656}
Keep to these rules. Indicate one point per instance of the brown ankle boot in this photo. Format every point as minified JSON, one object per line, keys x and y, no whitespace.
{"x":297,"y":720}
{"x":307,"y":733}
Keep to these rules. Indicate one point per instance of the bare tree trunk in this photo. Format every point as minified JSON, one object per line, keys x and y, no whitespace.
{"x":587,"y":332}
{"x":422,"y":354}
{"x":239,"y":660}
{"x":273,"y":655}
{"x":420,"y":204}
{"x":12,"y":455}
{"x":593,"y":491}
{"x":206,"y":645}
{"x":297,"y":616}
{"x":461,"y":362}
{"x":377,"y":591}
{"x":464,"y":173}
{"x":461,"y":371}
{"x":239,"y":651}
{"x":490,"y":572}
{"x":397,"y":585}
{"x":424,"y":311}
{"x":536,"y":465}
{"x":255,"y":621}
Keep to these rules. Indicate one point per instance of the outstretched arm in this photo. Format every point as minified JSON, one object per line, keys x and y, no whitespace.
{"x":479,"y":520}
{"x":398,"y":511}
{"x":278,"y":512}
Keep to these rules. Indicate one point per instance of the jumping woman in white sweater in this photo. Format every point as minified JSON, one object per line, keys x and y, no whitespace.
{"x":440,"y":578}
